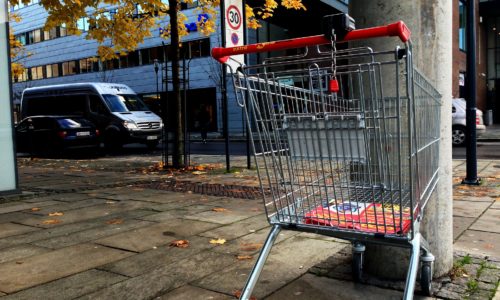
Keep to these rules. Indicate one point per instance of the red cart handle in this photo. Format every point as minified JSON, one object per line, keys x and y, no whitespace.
{"x":398,"y":29}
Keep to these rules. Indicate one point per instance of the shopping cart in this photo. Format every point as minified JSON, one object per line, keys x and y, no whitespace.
{"x":346,"y":142}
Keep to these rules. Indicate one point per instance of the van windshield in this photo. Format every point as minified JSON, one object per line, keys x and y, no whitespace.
{"x":124,"y":103}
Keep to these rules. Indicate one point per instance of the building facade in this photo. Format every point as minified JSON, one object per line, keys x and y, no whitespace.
{"x":487,"y":51}
{"x":57,"y":57}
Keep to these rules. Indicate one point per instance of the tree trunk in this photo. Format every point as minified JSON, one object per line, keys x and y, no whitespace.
{"x":175,"y":54}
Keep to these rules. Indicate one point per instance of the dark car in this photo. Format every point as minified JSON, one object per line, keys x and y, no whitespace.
{"x":55,"y":134}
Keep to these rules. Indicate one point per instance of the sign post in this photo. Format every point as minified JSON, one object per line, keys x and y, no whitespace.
{"x":233,"y":29}
{"x":8,"y":176}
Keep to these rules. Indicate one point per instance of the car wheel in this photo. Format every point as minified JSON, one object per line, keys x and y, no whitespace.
{"x":458,"y":135}
{"x":111,"y":140}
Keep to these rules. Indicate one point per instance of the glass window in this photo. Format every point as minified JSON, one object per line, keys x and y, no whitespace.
{"x":36,"y":73}
{"x":123,"y":61}
{"x":155,"y":53}
{"x":95,"y":65}
{"x":85,"y":65}
{"x":46,"y":35}
{"x":68,"y":68}
{"x":462,"y":32}
{"x":52,"y":33}
{"x":29,"y":37}
{"x":37,"y":36}
{"x":185,"y":5}
{"x":83,"y":24}
{"x":111,"y":64}
{"x":145,"y":57}
{"x":96,"y":105}
{"x":21,"y":38}
{"x":124,"y":103}
{"x":48,"y":71}
{"x":62,"y":31}
{"x":133,"y":59}
{"x":55,"y":70}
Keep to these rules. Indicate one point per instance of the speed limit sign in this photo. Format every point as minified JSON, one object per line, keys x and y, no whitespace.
{"x":233,"y":17}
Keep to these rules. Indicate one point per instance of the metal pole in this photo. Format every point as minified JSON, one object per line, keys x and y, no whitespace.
{"x":184,"y":109}
{"x":224,"y":90}
{"x":157,"y":67}
{"x":247,"y":128}
{"x":164,"y":110}
{"x":471,"y":176}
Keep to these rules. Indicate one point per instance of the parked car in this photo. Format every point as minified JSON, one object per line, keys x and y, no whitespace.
{"x":459,"y":124}
{"x":55,"y":134}
{"x":114,"y":108}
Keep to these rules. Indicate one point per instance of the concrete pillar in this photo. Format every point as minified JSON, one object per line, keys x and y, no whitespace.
{"x":430,"y":22}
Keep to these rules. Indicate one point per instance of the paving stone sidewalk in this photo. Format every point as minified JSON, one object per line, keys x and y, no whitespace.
{"x":102,"y":229}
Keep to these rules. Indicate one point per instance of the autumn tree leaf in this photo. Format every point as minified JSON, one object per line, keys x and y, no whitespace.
{"x":35,"y":209}
{"x":218,"y":241}
{"x":180,"y":243}
{"x":114,"y":221}
{"x":244,"y":257}
{"x":51,"y":222}
{"x":219,"y":209}
{"x":56,"y":214}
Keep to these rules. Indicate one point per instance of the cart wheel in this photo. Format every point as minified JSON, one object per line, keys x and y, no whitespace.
{"x":426,"y":279}
{"x":357,"y":266}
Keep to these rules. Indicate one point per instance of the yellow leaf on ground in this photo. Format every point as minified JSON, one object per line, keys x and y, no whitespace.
{"x":219,"y":209}
{"x":51,"y":222}
{"x":199,"y":173}
{"x":243,"y":257}
{"x":35,"y":209}
{"x":180,"y":244}
{"x":114,"y":221}
{"x":56,"y":214}
{"x":218,"y":242}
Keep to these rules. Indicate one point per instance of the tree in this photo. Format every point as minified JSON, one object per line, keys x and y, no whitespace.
{"x":119,"y":26}
{"x":17,"y":52}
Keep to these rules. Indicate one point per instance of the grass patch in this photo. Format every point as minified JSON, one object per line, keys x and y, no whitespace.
{"x":458,"y":269}
{"x":472,"y":286}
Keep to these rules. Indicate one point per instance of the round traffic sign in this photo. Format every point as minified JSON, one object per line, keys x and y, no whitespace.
{"x":235,"y":38}
{"x":233,"y":17}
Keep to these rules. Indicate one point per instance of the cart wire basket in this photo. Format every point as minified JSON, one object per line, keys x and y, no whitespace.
{"x":346,"y":143}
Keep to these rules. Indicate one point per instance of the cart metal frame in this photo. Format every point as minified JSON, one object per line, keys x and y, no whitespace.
{"x":346,"y":141}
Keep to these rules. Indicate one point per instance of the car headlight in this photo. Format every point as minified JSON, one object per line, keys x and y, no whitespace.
{"x":130,"y":125}
{"x":161,"y":123}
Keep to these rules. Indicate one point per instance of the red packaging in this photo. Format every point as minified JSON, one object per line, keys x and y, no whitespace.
{"x":367,"y":217}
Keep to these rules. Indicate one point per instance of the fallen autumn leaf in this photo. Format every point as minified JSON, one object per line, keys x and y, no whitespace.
{"x":51,"y":222}
{"x":35,"y":209}
{"x":218,"y":242}
{"x":238,"y":293}
{"x":114,"y":221}
{"x":56,"y":214}
{"x":244,"y":257}
{"x":250,"y":247}
{"x":180,"y":244}
{"x":219,"y":209}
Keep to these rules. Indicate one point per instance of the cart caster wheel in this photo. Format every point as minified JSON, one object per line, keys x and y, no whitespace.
{"x":426,"y":279}
{"x":357,"y":266}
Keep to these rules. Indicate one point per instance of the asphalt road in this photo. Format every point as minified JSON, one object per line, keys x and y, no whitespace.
{"x":490,"y":150}
{"x":484,"y":150}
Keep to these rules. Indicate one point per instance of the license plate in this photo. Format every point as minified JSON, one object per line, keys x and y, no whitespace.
{"x":152,"y":137}
{"x":83,"y":133}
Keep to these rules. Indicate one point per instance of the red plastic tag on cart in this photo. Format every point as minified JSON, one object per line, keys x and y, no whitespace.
{"x":333,"y":86}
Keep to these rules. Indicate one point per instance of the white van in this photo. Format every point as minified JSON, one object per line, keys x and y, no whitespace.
{"x":115,"y":109}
